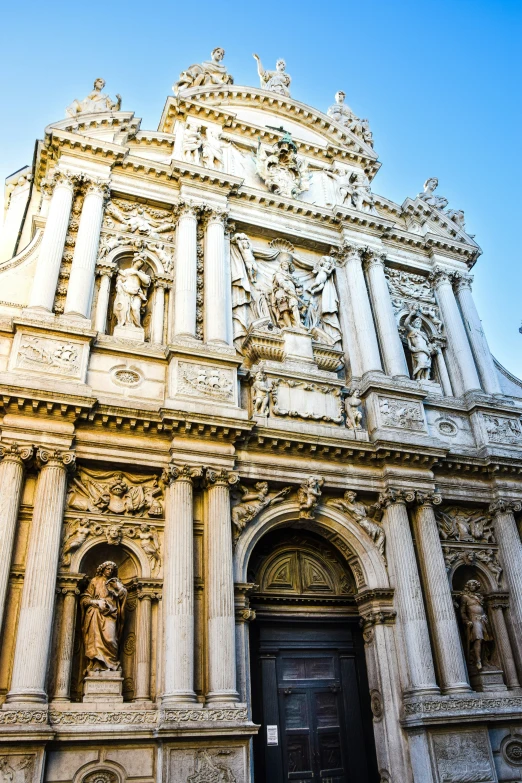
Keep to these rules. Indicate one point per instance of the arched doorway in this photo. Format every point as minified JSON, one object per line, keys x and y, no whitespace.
{"x":310,"y":690}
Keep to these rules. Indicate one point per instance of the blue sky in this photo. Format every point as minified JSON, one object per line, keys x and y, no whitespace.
{"x":439,"y":80}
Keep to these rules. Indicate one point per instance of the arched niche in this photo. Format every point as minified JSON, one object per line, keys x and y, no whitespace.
{"x":462,"y":572}
{"x":123,"y":259}
{"x":127,"y":551}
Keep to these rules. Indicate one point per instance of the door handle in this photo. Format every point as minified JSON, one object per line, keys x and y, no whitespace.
{"x":287,"y":691}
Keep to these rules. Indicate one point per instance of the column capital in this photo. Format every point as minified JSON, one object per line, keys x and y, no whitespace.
{"x":373,"y":258}
{"x":427,"y":498}
{"x":68,"y":583}
{"x":187,"y":209}
{"x":504,"y":506}
{"x":99,"y":187}
{"x":215,"y":215}
{"x":220,"y":477}
{"x":105,"y":269}
{"x":392,"y":496}
{"x":12,"y":452}
{"x":162,"y":281}
{"x":50,"y":457}
{"x":174,"y":472}
{"x":462,"y":281}
{"x":350,"y":252}
{"x":440,"y":275}
{"x":498,"y":600}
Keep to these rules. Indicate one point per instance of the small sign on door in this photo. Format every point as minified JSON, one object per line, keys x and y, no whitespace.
{"x":271,"y":735}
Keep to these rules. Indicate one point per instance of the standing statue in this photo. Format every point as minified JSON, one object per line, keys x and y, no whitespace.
{"x":261,"y":391}
{"x":308,"y":496}
{"x":94,"y":103}
{"x":285,"y":296}
{"x":359,"y":512}
{"x":130,"y":294}
{"x":149,"y":540}
{"x":341,"y":113}
{"x":103,"y":611}
{"x":192,"y":143}
{"x":419,"y":346}
{"x":212,"y":150}
{"x":274,"y":81}
{"x":362,"y":195}
{"x":439,"y":202}
{"x":209,"y":73}
{"x":475,"y":622}
{"x":324,"y":310}
{"x":351,"y":406}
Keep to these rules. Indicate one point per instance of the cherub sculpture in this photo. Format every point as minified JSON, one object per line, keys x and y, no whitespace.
{"x":252,"y":502}
{"x":308,"y":496}
{"x":261,"y":388}
{"x":352,"y":403}
{"x":77,"y":533}
{"x":150,"y":544}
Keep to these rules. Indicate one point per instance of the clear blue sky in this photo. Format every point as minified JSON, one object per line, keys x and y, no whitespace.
{"x":439,"y":80}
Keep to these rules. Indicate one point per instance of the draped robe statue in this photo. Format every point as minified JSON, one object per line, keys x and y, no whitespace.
{"x":103,"y":612}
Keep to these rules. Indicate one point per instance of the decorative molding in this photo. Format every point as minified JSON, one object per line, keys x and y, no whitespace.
{"x":203,"y":716}
{"x":311,"y":397}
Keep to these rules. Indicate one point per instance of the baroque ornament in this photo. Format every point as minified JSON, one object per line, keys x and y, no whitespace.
{"x":139,"y":220}
{"x":101,"y":776}
{"x":308,"y":496}
{"x":366,"y":517}
{"x":207,"y":770}
{"x":251,"y":502}
{"x":44,"y":354}
{"x":455,"y":524}
{"x":115,"y":493}
{"x":352,"y":403}
{"x":204,"y":380}
{"x":283,"y":171}
{"x":401,"y":413}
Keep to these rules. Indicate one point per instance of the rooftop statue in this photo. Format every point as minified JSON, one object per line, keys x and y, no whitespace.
{"x":208,"y":73}
{"x":341,"y":113}
{"x":439,"y":202}
{"x":274,"y":81}
{"x":94,"y":103}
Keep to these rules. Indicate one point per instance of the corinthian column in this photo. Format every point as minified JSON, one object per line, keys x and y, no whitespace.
{"x":81,"y":281}
{"x":439,"y":602}
{"x":479,"y":344}
{"x":12,"y":462}
{"x":186,"y":272}
{"x":53,"y":243}
{"x":497,"y":603}
{"x":220,"y":591}
{"x":216,"y":315}
{"x":510,"y":551}
{"x":408,"y":593}
{"x":35,"y":622}
{"x":68,"y":585}
{"x":178,"y":585}
{"x":361,"y":320}
{"x":462,"y":368}
{"x":389,"y":338}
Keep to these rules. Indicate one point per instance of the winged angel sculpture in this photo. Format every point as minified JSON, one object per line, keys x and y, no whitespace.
{"x":268,"y":291}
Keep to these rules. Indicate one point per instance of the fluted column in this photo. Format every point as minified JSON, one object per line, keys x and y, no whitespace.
{"x":477,"y":338}
{"x":186,"y":272}
{"x":443,"y":373}
{"x":463,"y":372}
{"x":439,"y":602}
{"x":12,"y":462}
{"x":389,"y":338}
{"x":408,"y":593}
{"x":362,"y":319}
{"x":510,"y":551}
{"x":35,"y":622}
{"x":158,"y":311}
{"x":216,"y":316}
{"x":143,"y":641}
{"x":220,"y":590}
{"x":68,"y":586}
{"x":105,"y":271}
{"x":81,"y":281}
{"x":497,"y":603}
{"x":53,"y":243}
{"x":178,"y":585}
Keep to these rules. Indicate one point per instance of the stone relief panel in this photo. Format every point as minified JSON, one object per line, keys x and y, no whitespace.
{"x":283,"y":171}
{"x":49,"y":355}
{"x":468,"y":539}
{"x":204,"y":380}
{"x":115,"y":492}
{"x":17,"y":768}
{"x":138,"y":220}
{"x":502,"y":430}
{"x":210,"y":765}
{"x":450,"y":427}
{"x":401,"y":414}
{"x":463,"y":756}
{"x":250,"y":501}
{"x":305,"y":400}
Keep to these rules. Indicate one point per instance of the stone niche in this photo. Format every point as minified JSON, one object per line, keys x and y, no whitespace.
{"x":202,"y":763}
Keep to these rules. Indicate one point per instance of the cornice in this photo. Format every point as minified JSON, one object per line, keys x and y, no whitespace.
{"x":61,"y":139}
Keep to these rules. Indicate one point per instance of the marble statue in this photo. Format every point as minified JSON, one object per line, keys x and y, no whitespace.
{"x":131,"y":285}
{"x":428,"y":194}
{"x":140,"y":221}
{"x":285,"y":295}
{"x":283,"y":171}
{"x":324,"y":309}
{"x":95,"y":102}
{"x":211,"y":150}
{"x":362,"y":197}
{"x":274,"y":81}
{"x":457,"y":215}
{"x":352,"y":403}
{"x":475,"y":622}
{"x":192,"y":143}
{"x":103,"y":613}
{"x":353,"y":187}
{"x":77,"y":533}
{"x":359,"y":512}
{"x":420,"y":348}
{"x":261,"y":394}
{"x":308,"y":496}
{"x":149,"y":541}
{"x":252,"y":502}
{"x":210,"y":73}
{"x":341,"y":113}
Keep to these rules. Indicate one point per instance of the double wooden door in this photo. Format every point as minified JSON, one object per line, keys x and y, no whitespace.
{"x":310,"y":695}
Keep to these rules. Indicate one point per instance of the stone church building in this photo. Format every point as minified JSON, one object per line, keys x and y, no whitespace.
{"x":260,"y":473}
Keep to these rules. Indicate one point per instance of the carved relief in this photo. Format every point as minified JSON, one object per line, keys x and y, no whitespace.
{"x":305,"y":400}
{"x":352,"y":403}
{"x":455,"y":556}
{"x":261,"y":389}
{"x":367,"y":517}
{"x":407,"y":285}
{"x":139,"y":220}
{"x":45,"y":354}
{"x":101,"y":776}
{"x":283,"y":171}
{"x":455,"y":524}
{"x":511,"y":750}
{"x":16,"y":769}
{"x":202,"y":146}
{"x":115,"y":493}
{"x":308,"y":496}
{"x":207,"y":770}
{"x":401,"y":414}
{"x":463,"y":756}
{"x":340,"y":112}
{"x":202,"y":380}
{"x":250,"y":501}
{"x":500,"y":429}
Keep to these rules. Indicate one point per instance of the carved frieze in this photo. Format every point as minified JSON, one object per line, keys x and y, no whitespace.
{"x":306,"y":400}
{"x":502,"y":430}
{"x":115,"y":492}
{"x":203,"y":380}
{"x":401,"y":414}
{"x":156,"y":224}
{"x":50,"y":355}
{"x":405,"y":285}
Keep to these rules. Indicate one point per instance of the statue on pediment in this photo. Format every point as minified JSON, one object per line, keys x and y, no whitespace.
{"x":429,"y":197}
{"x":342,"y":113}
{"x":277,"y":81}
{"x":95,"y":102}
{"x":210,"y":73}
{"x":283,"y":171}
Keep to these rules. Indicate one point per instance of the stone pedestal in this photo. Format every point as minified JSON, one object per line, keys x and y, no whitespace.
{"x":104,"y":686}
{"x":136,"y":333}
{"x":298,"y":346}
{"x":486,"y":680}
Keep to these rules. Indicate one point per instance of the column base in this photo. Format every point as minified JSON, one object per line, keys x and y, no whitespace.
{"x":428,"y":691}
{"x":222,"y":699}
{"x":181,"y":699}
{"x":26,"y":697}
{"x":459,"y":687}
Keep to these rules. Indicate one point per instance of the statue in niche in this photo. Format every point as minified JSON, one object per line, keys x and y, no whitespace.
{"x":115,"y":493}
{"x":352,"y":404}
{"x":324,"y":305}
{"x":341,"y":113}
{"x":476,"y":624}
{"x":248,"y":303}
{"x":253,"y":500}
{"x":277,"y":81}
{"x":211,"y":150}
{"x":429,"y":197}
{"x":95,"y":102}
{"x":261,"y":388}
{"x":149,"y":541}
{"x":420,"y":347}
{"x":210,"y":73}
{"x":285,"y":299}
{"x":359,"y":512}
{"x":103,"y":612}
{"x":191,"y":143}
{"x":308,"y":496}
{"x":130,"y":294}
{"x":283,"y":171}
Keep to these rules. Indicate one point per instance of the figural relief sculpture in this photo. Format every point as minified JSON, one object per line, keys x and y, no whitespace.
{"x":251,"y":501}
{"x":476,"y":624}
{"x":352,"y":403}
{"x":455,"y":524}
{"x":103,"y":612}
{"x":209,"y":73}
{"x":367,"y":517}
{"x":115,"y":493}
{"x":341,"y":113}
{"x":353,"y":188}
{"x":283,"y":171}
{"x":261,"y":388}
{"x":277,"y":81}
{"x":202,"y":146}
{"x":308,"y":496}
{"x":143,"y":221}
{"x":95,"y":102}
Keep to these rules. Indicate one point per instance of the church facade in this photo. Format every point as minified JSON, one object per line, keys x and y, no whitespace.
{"x":260,"y":473}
